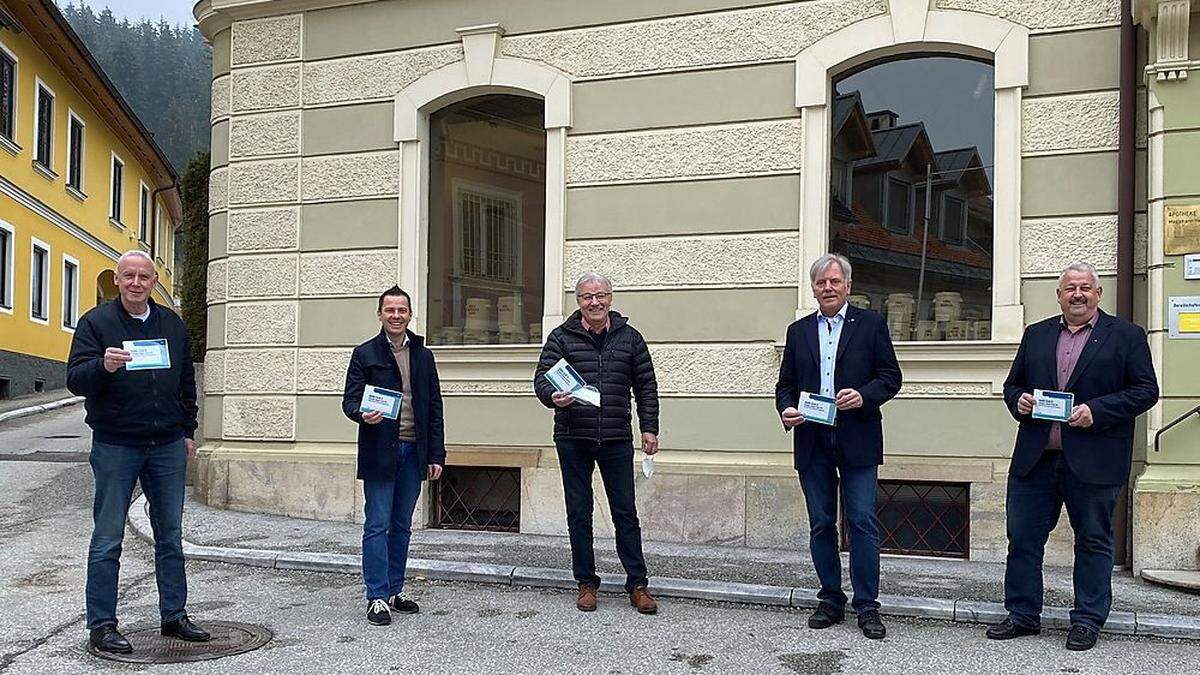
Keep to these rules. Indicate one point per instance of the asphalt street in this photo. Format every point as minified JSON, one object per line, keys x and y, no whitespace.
{"x":319,"y":625}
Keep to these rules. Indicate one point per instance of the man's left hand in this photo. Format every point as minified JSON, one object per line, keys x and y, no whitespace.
{"x":435,"y":471}
{"x":1081,"y":416}
{"x":189,"y":446}
{"x":848,"y":399}
{"x":649,"y":443}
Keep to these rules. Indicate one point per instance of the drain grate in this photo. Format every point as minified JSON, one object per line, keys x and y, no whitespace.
{"x":228,"y":638}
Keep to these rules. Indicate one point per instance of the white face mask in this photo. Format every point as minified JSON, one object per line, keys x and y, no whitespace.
{"x":648,"y":466}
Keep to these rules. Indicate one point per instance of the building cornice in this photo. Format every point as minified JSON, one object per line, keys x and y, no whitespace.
{"x":214,"y":16}
{"x":1170,"y":21}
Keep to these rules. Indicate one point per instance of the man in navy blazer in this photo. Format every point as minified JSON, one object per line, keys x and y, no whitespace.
{"x":1105,"y":363}
{"x":846,"y":354}
{"x":394,"y":455}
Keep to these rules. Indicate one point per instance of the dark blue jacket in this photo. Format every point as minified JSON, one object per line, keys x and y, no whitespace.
{"x":378,"y":444}
{"x":133,"y":407}
{"x":866,"y":361}
{"x":1114,"y":377}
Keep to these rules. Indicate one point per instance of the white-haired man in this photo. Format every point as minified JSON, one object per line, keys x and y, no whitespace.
{"x":1099,"y":369}
{"x":131,"y":359}
{"x":611,"y":356}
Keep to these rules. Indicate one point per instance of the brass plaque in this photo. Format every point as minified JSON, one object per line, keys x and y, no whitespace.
{"x":1182,"y":225}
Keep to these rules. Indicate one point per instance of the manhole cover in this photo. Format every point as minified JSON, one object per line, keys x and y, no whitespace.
{"x":228,"y":638}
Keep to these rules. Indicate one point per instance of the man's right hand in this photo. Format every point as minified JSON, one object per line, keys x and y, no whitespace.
{"x":373,"y":417}
{"x":791,"y":417}
{"x":1025,"y":404}
{"x":562,"y":399}
{"x":115,"y":359}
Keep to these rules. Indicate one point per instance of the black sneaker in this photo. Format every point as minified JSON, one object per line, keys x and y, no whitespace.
{"x":378,"y":613}
{"x":825,"y":616}
{"x":402,"y":604}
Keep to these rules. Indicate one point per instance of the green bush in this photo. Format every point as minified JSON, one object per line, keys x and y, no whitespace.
{"x":193,"y":284}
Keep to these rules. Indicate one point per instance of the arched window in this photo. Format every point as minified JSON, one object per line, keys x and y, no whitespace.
{"x":487,"y":227}
{"x":911,"y":193}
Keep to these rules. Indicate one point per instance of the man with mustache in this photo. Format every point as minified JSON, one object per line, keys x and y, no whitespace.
{"x":845,"y":354}
{"x":1083,"y":463}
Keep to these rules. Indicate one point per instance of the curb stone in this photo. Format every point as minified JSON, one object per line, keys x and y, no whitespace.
{"x":958,"y":611}
{"x":36,"y":409}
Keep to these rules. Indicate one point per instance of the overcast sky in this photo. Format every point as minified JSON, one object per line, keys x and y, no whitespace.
{"x":174,"y":11}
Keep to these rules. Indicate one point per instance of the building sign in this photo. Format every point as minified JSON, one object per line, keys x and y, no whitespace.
{"x":1182,"y":233}
{"x":1184,"y":316}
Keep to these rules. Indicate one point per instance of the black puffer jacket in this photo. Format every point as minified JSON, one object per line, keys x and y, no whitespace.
{"x":623,"y":366}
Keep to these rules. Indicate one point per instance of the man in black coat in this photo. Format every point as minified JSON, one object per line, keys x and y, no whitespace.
{"x":143,"y":421}
{"x":1083,"y":463}
{"x":395,"y":451}
{"x":611,"y":356}
{"x":844,"y":354}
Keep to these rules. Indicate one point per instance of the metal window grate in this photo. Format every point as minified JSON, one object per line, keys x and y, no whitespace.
{"x":477,"y":498}
{"x":926,"y":519}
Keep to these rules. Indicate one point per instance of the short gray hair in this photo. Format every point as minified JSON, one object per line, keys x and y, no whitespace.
{"x":591,"y":278}
{"x":1080,"y":266}
{"x":825,"y":261}
{"x":135,"y":253}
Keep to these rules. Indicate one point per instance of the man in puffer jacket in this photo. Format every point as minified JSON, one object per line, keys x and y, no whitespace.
{"x":611,"y":356}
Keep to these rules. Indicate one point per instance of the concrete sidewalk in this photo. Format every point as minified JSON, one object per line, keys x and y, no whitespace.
{"x":33,"y":404}
{"x":953,"y":590}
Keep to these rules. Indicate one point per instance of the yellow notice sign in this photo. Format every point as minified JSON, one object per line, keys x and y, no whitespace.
{"x":1189,"y":322}
{"x":1181,"y":229}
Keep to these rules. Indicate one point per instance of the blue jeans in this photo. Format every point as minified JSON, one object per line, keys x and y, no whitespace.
{"x":160,"y":469}
{"x":387,"y":525}
{"x":1033,"y":506}
{"x":819,"y":481}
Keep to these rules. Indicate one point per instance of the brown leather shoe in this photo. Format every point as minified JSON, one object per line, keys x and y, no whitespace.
{"x":640,"y":598}
{"x":586,"y":601}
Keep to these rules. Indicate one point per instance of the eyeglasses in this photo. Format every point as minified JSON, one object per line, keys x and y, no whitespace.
{"x":588,"y":297}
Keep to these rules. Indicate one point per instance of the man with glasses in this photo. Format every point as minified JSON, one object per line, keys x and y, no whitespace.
{"x":611,"y":356}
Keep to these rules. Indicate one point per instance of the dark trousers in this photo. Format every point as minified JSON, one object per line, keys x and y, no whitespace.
{"x":820,"y":482}
{"x":1034,"y":504}
{"x":160,"y":469}
{"x":387,"y":525}
{"x":578,"y":460}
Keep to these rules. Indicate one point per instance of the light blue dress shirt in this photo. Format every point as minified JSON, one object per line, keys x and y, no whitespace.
{"x":829,"y":331}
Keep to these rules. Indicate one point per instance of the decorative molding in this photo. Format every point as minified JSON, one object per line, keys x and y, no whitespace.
{"x":490,"y":159}
{"x":687,"y":261}
{"x":380,"y":76}
{"x":743,"y":148}
{"x":276,"y":38}
{"x":682,"y":42}
{"x":1042,"y":15}
{"x":1172,"y":32}
{"x":946,"y":390}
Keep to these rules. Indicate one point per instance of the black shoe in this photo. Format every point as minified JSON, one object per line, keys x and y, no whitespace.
{"x":378,"y":613}
{"x":1008,"y":629}
{"x":107,"y":639}
{"x":825,"y":616}
{"x":871,"y":626}
{"x":184,"y":629}
{"x":1082,"y":638}
{"x":403,"y":605}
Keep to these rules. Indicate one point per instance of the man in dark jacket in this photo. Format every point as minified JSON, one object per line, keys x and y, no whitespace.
{"x":143,"y":417}
{"x":611,"y":356}
{"x":1083,"y":463}
{"x":845,"y":354}
{"x":395,"y":452}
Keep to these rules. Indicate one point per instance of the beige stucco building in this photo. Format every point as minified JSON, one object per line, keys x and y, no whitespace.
{"x":700,"y":153}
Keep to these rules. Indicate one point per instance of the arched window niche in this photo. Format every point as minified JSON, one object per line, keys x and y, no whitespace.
{"x":830,"y":68}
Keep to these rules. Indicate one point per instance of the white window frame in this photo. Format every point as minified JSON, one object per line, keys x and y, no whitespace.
{"x":482,"y":71}
{"x":7,"y":143}
{"x":8,"y":267}
{"x":73,"y":304}
{"x":48,"y":167}
{"x":35,"y":245}
{"x":913,"y":28}
{"x":945,"y":197}
{"x":144,"y":224}
{"x":115,"y":218}
{"x":80,"y":191}
{"x":889,"y":182}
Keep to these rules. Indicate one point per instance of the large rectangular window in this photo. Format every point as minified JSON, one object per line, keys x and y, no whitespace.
{"x":118,"y":189}
{"x":7,"y":265}
{"x":143,"y":213}
{"x":8,"y":96}
{"x":39,"y":282}
{"x":70,"y":290}
{"x":75,"y":153}
{"x":44,"y":131}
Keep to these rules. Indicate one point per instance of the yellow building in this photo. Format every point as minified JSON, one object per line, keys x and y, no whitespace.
{"x":81,"y":182}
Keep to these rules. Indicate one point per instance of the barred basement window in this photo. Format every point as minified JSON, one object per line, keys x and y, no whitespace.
{"x":925,"y":519}
{"x":477,"y":498}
